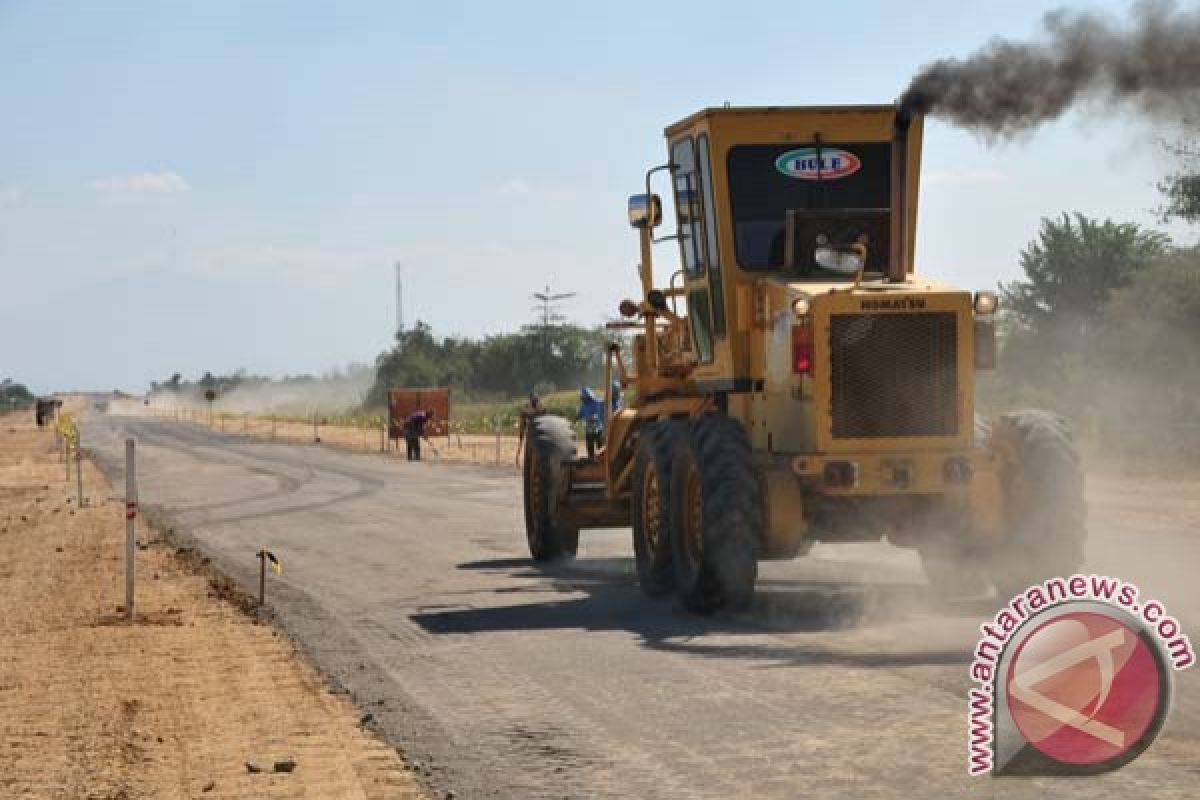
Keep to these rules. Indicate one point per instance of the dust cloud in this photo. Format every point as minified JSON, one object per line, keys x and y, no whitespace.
{"x":334,"y":393}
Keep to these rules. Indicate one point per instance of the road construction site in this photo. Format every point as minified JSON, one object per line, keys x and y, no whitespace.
{"x":410,"y":585}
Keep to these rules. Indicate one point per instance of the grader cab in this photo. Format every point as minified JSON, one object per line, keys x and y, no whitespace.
{"x":796,"y":381}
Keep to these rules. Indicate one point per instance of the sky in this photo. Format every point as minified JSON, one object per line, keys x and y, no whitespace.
{"x":221,"y":185}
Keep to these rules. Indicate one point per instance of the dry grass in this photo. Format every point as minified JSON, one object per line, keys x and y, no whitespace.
{"x":170,"y":707}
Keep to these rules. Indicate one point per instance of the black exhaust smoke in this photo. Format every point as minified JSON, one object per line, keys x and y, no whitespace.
{"x":1150,"y":66}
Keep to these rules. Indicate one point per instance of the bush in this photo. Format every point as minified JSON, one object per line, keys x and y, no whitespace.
{"x":14,"y":396}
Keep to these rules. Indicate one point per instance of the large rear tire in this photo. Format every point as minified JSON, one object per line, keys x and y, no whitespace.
{"x":717,"y":517}
{"x":1044,"y":503}
{"x":651,"y":505}
{"x":549,"y":443}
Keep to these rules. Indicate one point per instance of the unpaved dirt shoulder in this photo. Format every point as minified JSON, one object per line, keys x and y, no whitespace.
{"x":173,"y":706}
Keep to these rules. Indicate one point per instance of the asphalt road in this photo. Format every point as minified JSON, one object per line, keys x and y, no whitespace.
{"x":409,"y":584}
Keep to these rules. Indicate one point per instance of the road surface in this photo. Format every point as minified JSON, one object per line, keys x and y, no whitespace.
{"x":409,"y":584}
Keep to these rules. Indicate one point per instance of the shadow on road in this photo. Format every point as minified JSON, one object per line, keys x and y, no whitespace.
{"x":605,"y":597}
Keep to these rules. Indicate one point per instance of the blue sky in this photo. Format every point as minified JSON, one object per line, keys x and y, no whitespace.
{"x":208,"y":186}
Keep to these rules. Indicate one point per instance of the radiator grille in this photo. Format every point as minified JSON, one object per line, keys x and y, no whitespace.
{"x":894,"y":374}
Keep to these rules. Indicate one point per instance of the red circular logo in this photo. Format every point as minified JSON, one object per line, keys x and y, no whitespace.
{"x":1085,"y":688}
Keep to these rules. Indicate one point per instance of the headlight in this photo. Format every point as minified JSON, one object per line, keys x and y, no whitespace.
{"x":986,"y":303}
{"x":837,"y":261}
{"x":802,"y":305}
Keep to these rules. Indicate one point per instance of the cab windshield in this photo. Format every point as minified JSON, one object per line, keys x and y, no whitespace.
{"x":818,"y":211}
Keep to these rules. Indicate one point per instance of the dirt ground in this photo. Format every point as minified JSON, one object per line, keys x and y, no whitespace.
{"x":171,"y":707}
{"x":1150,"y":502}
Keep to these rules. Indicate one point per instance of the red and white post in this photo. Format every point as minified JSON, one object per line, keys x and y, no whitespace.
{"x":131,"y":510}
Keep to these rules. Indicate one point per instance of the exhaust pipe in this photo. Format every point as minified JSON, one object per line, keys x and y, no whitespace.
{"x":897,"y":270}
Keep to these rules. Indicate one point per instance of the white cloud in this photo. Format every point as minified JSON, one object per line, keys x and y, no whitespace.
{"x":514,"y":187}
{"x":11,"y":195}
{"x":141,"y":183}
{"x":963,"y":177}
{"x":542,"y":193}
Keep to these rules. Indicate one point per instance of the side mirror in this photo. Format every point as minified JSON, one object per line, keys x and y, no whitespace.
{"x":645,"y":211}
{"x":985,"y":344}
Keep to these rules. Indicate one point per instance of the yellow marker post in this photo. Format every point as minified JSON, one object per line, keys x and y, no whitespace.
{"x":69,"y":433}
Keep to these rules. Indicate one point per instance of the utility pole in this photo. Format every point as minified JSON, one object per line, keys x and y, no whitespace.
{"x":399,"y":298}
{"x":547,"y":308}
{"x":548,"y":304}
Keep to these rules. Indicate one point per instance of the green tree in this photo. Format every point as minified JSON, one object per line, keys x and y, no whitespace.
{"x":14,"y":395}
{"x":1145,"y":357}
{"x":507,"y":365}
{"x":1071,"y":269}
{"x":1181,"y":189}
{"x":414,"y":361}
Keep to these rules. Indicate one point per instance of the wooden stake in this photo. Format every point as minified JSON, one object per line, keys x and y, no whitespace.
{"x":262,"y":578}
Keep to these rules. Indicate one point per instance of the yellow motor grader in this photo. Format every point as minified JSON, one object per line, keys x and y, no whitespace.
{"x":797,"y":382}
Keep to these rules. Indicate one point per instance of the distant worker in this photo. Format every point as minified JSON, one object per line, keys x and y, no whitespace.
{"x":414,"y":432}
{"x":533,"y":409}
{"x":618,"y":401}
{"x":44,"y":410}
{"x":591,"y":411}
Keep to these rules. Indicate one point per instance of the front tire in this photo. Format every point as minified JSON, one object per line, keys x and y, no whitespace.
{"x":1044,"y":502}
{"x":550,"y":443}
{"x":651,"y":506}
{"x":717,"y":517}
